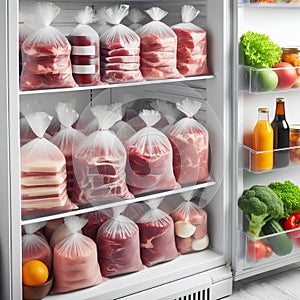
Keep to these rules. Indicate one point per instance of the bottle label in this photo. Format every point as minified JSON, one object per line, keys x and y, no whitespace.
{"x":83,"y":50}
{"x":83,"y":69}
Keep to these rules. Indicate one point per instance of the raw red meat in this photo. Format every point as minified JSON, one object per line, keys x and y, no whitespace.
{"x":154,"y":73}
{"x":157,"y":238}
{"x":120,"y":66}
{"x":163,"y":62}
{"x":121,"y":59}
{"x":120,"y":52}
{"x":155,"y":43}
{"x":157,"y":56}
{"x":118,"y":76}
{"x":119,"y":247}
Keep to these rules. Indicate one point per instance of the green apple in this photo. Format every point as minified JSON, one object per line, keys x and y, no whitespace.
{"x":264,"y":80}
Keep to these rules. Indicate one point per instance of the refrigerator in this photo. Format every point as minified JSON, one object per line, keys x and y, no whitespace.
{"x":228,"y":112}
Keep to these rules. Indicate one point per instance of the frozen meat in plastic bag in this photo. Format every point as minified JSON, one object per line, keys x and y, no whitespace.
{"x":35,"y":245}
{"x":157,"y":238}
{"x":120,"y":49}
{"x":135,"y":16}
{"x":118,"y":245}
{"x":75,"y":261}
{"x":190,"y":223}
{"x":190,"y":143}
{"x":43,"y":171}
{"x":99,"y":162}
{"x":85,"y":54}
{"x":191,"y":44}
{"x":65,"y":139}
{"x":158,"y":47}
{"x":149,"y":158}
{"x":46,"y":54}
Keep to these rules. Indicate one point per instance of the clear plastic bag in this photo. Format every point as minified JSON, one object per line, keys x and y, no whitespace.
{"x":102,"y":25}
{"x":35,"y":245}
{"x":120,"y":45}
{"x":65,"y":139}
{"x":190,"y":223}
{"x":135,"y":16}
{"x":99,"y":162}
{"x":157,"y":238}
{"x":46,"y":54}
{"x":158,"y":47}
{"x":85,"y":54}
{"x":191,"y":44}
{"x":118,"y":245}
{"x":149,"y":162}
{"x":190,"y":143}
{"x":43,"y":171}
{"x":75,"y":261}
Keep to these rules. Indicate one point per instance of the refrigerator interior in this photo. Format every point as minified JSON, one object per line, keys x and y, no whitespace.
{"x":203,"y":274}
{"x":282,"y":27}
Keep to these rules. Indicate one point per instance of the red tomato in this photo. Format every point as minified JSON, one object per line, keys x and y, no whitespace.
{"x":287,"y":75}
{"x":269,"y":251}
{"x":256,"y":250}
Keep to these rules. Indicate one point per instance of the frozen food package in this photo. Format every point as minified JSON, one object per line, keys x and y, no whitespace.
{"x":118,"y":245}
{"x":158,"y":47}
{"x":94,"y":220}
{"x":64,"y":229}
{"x":190,"y":143}
{"x":149,"y":158}
{"x":85,"y":53}
{"x":190,"y":224}
{"x":35,"y":245}
{"x":191,"y":44}
{"x":120,"y":49}
{"x":65,"y":139}
{"x":135,"y":16}
{"x":75,"y":261}
{"x":157,"y":240}
{"x":43,"y":171}
{"x":46,"y":54}
{"x":99,"y":162}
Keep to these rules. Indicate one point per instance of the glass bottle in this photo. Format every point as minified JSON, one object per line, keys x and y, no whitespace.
{"x":262,"y":157}
{"x":281,"y":131}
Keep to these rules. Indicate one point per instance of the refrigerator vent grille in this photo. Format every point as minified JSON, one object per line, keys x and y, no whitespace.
{"x":197,"y":295}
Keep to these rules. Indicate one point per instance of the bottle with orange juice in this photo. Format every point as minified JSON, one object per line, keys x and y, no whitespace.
{"x":262,"y":157}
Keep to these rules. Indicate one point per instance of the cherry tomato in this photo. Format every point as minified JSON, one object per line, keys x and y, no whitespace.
{"x":256,"y":250}
{"x":269,"y":251}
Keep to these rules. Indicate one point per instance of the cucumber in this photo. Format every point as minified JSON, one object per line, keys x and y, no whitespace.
{"x":280,"y":243}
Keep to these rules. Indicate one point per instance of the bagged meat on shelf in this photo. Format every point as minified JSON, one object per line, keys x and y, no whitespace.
{"x":85,"y":54}
{"x":135,"y":16}
{"x":35,"y":245}
{"x":191,"y":44}
{"x":65,"y":139}
{"x":46,"y":54}
{"x":118,"y":245}
{"x":157,"y":240}
{"x":190,"y":143}
{"x":190,"y":223}
{"x":99,"y":162}
{"x":120,"y":46}
{"x":75,"y":263}
{"x":94,"y":220}
{"x":43,"y":171}
{"x":158,"y":47}
{"x":149,"y":158}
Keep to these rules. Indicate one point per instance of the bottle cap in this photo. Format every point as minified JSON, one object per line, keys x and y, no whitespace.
{"x":263,"y":110}
{"x":280,"y":99}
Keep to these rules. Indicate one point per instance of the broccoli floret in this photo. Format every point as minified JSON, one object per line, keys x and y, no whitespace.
{"x":261,"y":205}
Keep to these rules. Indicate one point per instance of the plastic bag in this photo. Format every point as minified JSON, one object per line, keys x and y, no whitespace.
{"x":191,"y":44}
{"x":190,"y":143}
{"x":46,"y":54}
{"x":118,"y":245}
{"x":135,"y":210}
{"x":158,"y":47}
{"x":190,"y":223}
{"x":35,"y":245}
{"x":102,"y":25}
{"x":65,"y":139}
{"x":85,"y":54}
{"x":43,"y":171}
{"x":120,"y":49}
{"x":99,"y":162}
{"x":75,"y":261}
{"x":149,"y":162}
{"x":157,"y":238}
{"x":135,"y":16}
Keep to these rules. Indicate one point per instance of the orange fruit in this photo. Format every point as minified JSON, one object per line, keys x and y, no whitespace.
{"x":34,"y":272}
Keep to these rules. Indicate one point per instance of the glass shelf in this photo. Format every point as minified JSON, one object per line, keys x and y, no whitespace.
{"x":249,"y":155}
{"x":247,"y":253}
{"x":261,"y":81}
